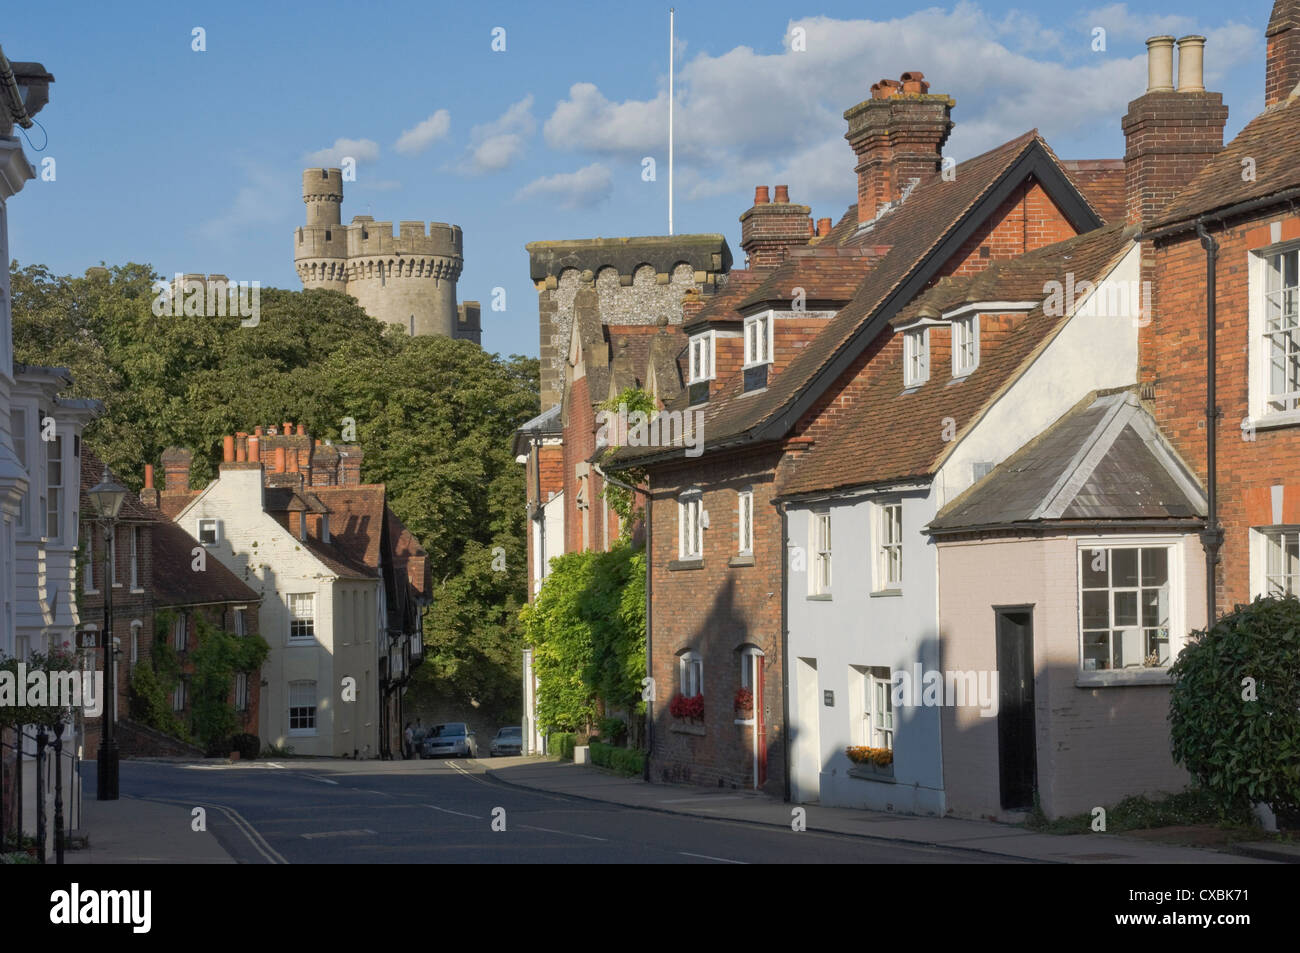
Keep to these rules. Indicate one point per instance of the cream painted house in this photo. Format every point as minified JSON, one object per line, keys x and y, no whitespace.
{"x":321,"y":614}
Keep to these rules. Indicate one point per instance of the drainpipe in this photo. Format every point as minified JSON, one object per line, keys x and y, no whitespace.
{"x":1212,"y":535}
{"x":649,"y":601}
{"x":785,"y":648}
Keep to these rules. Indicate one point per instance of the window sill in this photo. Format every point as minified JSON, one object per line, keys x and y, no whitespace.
{"x":886,"y":593}
{"x":1271,"y":421}
{"x":680,"y":565}
{"x":686,"y":728}
{"x":744,"y":721}
{"x":819,"y":597}
{"x":1119,"y":678}
{"x":743,"y":559}
{"x":302,"y":734}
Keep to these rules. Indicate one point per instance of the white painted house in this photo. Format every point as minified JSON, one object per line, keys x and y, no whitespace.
{"x":976,"y":367}
{"x":321,"y":613}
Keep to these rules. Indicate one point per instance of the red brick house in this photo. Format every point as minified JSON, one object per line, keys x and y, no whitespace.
{"x":151,"y":562}
{"x":785,"y":349}
{"x":1231,"y":213}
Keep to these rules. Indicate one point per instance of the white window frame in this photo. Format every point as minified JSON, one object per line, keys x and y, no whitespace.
{"x":707,"y":361}
{"x":880,"y":724}
{"x":1268,"y":560}
{"x":1262,"y":405}
{"x":241,"y":692}
{"x":965,"y":344}
{"x":88,"y":567}
{"x":690,"y":673}
{"x":308,"y":714}
{"x":916,"y":357}
{"x":178,"y":694}
{"x":55,"y":491}
{"x":293,"y":602}
{"x":136,"y":626}
{"x":745,"y":522}
{"x":820,"y":542}
{"x":215,"y":525}
{"x":690,"y":525}
{"x":758,"y":343}
{"x":888,"y":533}
{"x":239,"y":619}
{"x":180,"y":632}
{"x":135,"y":558}
{"x":1087,"y":550}
{"x":22,"y":449}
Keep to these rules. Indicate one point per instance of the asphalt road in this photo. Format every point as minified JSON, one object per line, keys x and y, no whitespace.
{"x":448,"y":811}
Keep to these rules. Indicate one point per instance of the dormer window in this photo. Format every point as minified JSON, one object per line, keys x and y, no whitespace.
{"x":916,"y":357}
{"x":702,"y":359}
{"x":209,"y":532}
{"x":758,"y":340}
{"x":965,"y":345}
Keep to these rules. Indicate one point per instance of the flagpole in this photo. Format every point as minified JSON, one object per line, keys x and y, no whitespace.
{"x":671,"y":35}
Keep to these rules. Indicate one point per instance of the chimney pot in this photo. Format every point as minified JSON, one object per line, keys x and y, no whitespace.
{"x":302,"y":430}
{"x":228,"y":448}
{"x":288,"y":429}
{"x":886,"y":89}
{"x":914,"y":82}
{"x":148,"y":476}
{"x":279,"y":465}
{"x":760,"y":195}
{"x":782,"y":195}
{"x":1191,"y":59}
{"x":823,"y":227}
{"x":260,"y":431}
{"x":255,"y":448}
{"x":1160,"y":64}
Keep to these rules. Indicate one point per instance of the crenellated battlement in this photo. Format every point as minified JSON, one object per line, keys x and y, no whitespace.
{"x":405,"y":277}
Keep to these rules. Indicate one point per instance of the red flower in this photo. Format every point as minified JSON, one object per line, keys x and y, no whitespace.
{"x":683,"y":707}
{"x":744,"y":703}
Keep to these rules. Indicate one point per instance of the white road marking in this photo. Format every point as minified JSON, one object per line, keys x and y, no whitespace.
{"x":449,"y":811}
{"x":721,"y":860}
{"x":550,"y":830}
{"x":259,"y":842}
{"x":707,"y":797}
{"x":315,"y":777}
{"x":380,"y":793}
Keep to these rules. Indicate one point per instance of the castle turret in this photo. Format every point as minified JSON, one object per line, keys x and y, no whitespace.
{"x":408,"y":279}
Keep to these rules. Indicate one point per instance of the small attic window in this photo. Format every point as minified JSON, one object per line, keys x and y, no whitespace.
{"x":209,"y":532}
{"x":702,"y":359}
{"x":916,"y":357}
{"x":327,"y":234}
{"x":965,"y":345}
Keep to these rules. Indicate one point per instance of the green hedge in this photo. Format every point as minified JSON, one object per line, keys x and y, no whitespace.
{"x":626,"y":761}
{"x":562,"y":744}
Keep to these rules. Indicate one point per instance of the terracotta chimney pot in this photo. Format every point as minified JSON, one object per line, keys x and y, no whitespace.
{"x":228,"y":448}
{"x":760,"y":195}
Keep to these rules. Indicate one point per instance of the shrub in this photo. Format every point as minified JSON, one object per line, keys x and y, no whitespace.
{"x":626,"y":761}
{"x":219,"y":747}
{"x":149,"y":704}
{"x":247,"y":745}
{"x":613,"y":730}
{"x":1233,"y":718}
{"x":561,"y":744}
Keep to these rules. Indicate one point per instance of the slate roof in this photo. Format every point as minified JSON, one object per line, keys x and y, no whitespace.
{"x":176,"y":584}
{"x":1104,"y":460}
{"x":1271,"y":139}
{"x":889,"y":434}
{"x":921,"y":233}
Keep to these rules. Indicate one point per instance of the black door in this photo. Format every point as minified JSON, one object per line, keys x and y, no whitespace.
{"x":1017,"y":758}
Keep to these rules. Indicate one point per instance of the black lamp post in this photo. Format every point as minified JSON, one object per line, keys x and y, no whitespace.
{"x":108,"y":498}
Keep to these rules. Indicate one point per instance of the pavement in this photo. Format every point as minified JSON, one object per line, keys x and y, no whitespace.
{"x":136,"y":831}
{"x":1004,"y":840}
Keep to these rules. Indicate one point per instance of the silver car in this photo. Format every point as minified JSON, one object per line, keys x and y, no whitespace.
{"x":455,"y":739}
{"x":509,"y":740}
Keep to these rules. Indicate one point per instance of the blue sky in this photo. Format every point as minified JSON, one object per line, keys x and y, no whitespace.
{"x":191,"y":161}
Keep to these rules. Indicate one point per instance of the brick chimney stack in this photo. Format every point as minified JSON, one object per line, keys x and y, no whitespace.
{"x":1282,"y":72}
{"x":149,"y":494}
{"x":898,"y":136}
{"x":176,"y":469}
{"x":770,"y":229}
{"x":1169,"y":133}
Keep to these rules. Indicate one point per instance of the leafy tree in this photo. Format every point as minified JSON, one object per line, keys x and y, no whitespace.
{"x":434,"y":416}
{"x":216,"y":659}
{"x":622,"y":500}
{"x":1234,"y":721}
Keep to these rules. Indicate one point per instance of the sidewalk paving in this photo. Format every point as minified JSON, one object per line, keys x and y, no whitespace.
{"x":135,"y":831}
{"x":582,"y":781}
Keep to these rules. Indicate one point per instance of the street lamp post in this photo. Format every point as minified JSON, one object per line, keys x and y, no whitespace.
{"x":108,"y":498}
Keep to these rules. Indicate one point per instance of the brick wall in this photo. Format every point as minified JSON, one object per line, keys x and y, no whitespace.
{"x":1026,"y":220}
{"x":716,"y":610}
{"x":1172,"y":354}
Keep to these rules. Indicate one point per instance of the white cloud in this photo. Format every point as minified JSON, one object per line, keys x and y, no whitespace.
{"x":494,"y":145}
{"x":362,"y":150}
{"x":258,"y":202}
{"x":589,"y":186}
{"x":423,"y":134}
{"x":745,"y":117}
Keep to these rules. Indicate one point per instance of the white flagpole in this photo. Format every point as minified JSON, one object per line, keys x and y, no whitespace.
{"x":671,"y":34}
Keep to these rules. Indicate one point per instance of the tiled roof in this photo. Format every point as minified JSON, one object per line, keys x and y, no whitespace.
{"x":92,"y":472}
{"x":1104,"y":460}
{"x":356,"y":516}
{"x":1271,"y":140}
{"x":919,"y":233}
{"x":409,"y":555}
{"x":721,"y":306}
{"x":176,"y":584}
{"x":1102,"y":183}
{"x":828,"y":276}
{"x":890,"y":434}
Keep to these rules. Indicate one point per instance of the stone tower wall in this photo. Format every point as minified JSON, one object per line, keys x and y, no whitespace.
{"x":408,"y":278}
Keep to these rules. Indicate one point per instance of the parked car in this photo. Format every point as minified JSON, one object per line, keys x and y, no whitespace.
{"x":454,"y":738}
{"x":509,"y":740}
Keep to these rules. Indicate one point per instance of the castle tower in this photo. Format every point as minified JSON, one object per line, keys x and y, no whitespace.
{"x":408,"y":279}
